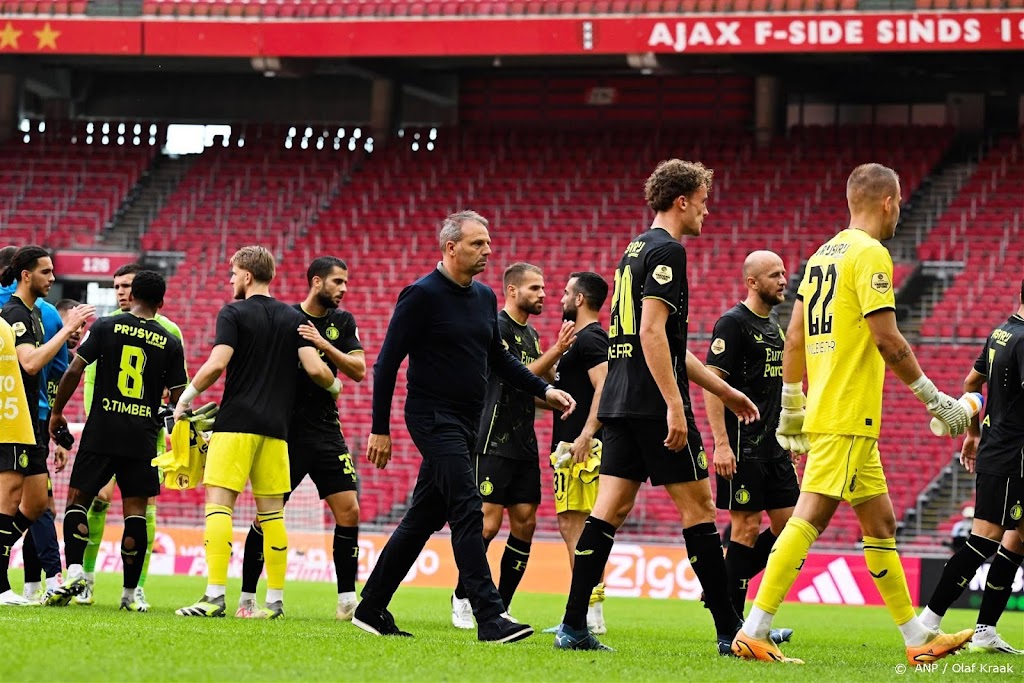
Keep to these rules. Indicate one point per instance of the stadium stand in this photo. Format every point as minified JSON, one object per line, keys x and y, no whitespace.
{"x":383,"y":9}
{"x":44,"y":7}
{"x":403,"y":9}
{"x":988,"y":209}
{"x":564,"y":200}
{"x":65,"y":195}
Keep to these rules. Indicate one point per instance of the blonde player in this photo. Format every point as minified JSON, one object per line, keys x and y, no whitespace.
{"x":843,"y":332}
{"x":257,"y":343}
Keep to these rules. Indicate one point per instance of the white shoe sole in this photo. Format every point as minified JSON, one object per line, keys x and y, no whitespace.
{"x":364,"y":626}
{"x":514,"y":637}
{"x":992,"y":649}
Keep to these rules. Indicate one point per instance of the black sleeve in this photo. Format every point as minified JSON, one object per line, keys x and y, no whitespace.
{"x":981,"y":364}
{"x":299,"y":320}
{"x":592,"y":349}
{"x":666,"y":273}
{"x":90,"y":346}
{"x":406,"y":321}
{"x":507,"y":367}
{"x":22,"y":324}
{"x":175,"y":374}
{"x":725,"y":351}
{"x":348,"y":340}
{"x":1018,"y":352}
{"x":227,"y":327}
{"x":508,"y":335}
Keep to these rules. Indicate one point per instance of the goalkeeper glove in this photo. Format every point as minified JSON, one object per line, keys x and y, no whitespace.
{"x":790,"y":432}
{"x":203,"y":418}
{"x":942,"y":407}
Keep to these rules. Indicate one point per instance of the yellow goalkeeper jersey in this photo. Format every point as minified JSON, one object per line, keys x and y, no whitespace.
{"x":848,"y":278}
{"x":15,"y":418}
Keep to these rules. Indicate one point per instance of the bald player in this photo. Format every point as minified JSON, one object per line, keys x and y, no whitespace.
{"x":754,"y":472}
{"x":843,"y":333}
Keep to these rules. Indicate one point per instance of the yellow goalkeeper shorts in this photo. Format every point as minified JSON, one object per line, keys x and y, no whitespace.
{"x":576,"y":484}
{"x":234,"y":458}
{"x":844,"y":467}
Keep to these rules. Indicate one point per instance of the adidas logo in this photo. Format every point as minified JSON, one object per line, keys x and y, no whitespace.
{"x":835,"y":586}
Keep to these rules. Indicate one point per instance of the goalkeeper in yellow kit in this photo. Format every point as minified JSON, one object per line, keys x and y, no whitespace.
{"x":843,"y":332}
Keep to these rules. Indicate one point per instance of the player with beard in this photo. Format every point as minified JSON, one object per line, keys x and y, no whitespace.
{"x":24,"y":451}
{"x":316,"y":444}
{"x":576,"y":442}
{"x":755,"y":474}
{"x":507,"y":461}
{"x":41,"y":552}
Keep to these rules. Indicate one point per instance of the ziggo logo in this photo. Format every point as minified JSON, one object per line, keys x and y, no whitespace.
{"x":632,"y":573}
{"x":427,"y":564}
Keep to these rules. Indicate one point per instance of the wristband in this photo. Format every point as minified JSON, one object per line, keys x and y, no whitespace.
{"x":190,"y":394}
{"x":924,"y":389}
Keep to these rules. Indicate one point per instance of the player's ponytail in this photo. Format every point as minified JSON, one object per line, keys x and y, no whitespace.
{"x":24,"y":259}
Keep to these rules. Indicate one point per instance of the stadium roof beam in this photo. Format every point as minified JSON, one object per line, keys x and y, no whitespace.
{"x":49,"y":84}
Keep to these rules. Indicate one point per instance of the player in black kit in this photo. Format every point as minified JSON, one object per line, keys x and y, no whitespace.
{"x":753,"y":472}
{"x":507,"y":459}
{"x":999,"y":499}
{"x":316,"y":444}
{"x":23,"y":447}
{"x":576,"y":442}
{"x":136,"y":359}
{"x":649,"y":428}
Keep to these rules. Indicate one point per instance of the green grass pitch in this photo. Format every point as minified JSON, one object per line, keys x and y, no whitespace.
{"x":656,"y":640}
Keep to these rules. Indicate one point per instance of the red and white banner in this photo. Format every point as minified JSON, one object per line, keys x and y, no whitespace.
{"x":522,"y":35}
{"x":633,"y":570}
{"x":822,"y":33}
{"x":90,"y":265}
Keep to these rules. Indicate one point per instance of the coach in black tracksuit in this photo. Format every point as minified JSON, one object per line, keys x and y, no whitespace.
{"x":447,"y":324}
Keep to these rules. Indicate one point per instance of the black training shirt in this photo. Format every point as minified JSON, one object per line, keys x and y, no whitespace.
{"x":136,"y":358}
{"x":1001,"y":451}
{"x":748,"y":349}
{"x":259,"y":393}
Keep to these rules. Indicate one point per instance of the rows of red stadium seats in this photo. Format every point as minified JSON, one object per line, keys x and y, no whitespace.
{"x":225,"y":199}
{"x":44,"y":7}
{"x":322,"y":9}
{"x":289,"y":9}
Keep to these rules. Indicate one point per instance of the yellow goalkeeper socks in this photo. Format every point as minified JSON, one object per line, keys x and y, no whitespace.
{"x":886,"y":569}
{"x":784,"y":563}
{"x":217,"y":540}
{"x":275,"y":547}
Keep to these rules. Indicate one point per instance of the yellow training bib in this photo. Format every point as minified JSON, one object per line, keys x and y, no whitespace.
{"x":15,"y":419}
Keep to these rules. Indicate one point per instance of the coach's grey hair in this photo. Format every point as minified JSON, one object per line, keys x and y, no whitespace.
{"x":451,"y":228}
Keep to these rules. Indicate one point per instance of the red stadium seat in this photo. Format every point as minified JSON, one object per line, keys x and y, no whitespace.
{"x":320,"y":201}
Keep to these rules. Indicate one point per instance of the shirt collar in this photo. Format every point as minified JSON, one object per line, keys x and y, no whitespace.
{"x":444,"y":271}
